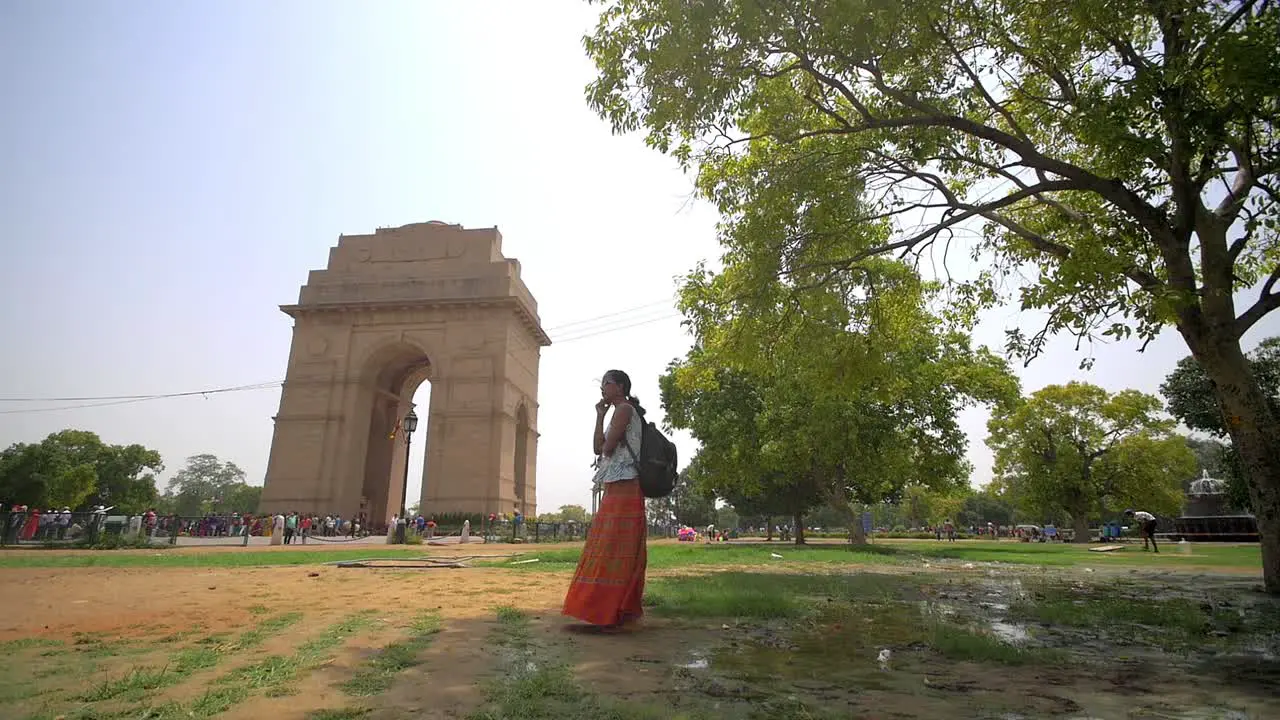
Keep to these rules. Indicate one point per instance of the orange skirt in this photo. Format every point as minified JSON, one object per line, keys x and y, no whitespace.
{"x":609,"y":582}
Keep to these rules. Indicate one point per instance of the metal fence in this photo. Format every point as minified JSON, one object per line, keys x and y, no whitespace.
{"x":56,"y":528}
{"x":60,"y":529}
{"x":81,"y":529}
{"x":537,"y":532}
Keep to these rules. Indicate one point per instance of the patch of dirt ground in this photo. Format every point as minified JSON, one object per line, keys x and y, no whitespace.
{"x":138,"y":602}
{"x":672,"y":663}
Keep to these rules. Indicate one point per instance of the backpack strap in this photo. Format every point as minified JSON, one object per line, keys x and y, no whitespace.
{"x":635,"y":415}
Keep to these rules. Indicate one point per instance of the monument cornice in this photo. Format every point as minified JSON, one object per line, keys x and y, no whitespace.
{"x":526,"y":317}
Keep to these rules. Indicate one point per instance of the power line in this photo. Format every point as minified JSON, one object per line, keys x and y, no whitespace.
{"x":609,"y":315}
{"x":579,"y":333}
{"x":109,"y":400}
{"x":89,"y":402}
{"x":616,"y":329}
{"x":153,"y":396}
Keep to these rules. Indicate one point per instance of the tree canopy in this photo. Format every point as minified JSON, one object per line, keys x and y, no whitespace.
{"x":985,"y":507}
{"x":690,"y":503}
{"x":566,"y":513}
{"x":208,"y":485}
{"x":839,"y":395}
{"x":74,"y":468}
{"x":1115,"y":163}
{"x":1080,"y":449}
{"x":1084,"y":136}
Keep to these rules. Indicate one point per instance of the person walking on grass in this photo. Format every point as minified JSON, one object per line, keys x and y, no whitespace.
{"x":1147,"y":527}
{"x":609,"y":581}
{"x":290,"y":527}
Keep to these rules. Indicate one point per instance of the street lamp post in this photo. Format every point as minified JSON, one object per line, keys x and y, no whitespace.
{"x":410,"y":424}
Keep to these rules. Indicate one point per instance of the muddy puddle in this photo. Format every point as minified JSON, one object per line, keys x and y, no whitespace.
{"x":993,"y":642}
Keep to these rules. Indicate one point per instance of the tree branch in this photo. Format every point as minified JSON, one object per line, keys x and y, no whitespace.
{"x":977,"y":83}
{"x":1150,"y":217}
{"x":1243,"y":182}
{"x":1268,"y":300}
{"x":1212,"y":38}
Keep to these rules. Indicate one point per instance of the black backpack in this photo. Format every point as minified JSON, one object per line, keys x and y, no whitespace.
{"x":656,"y":461}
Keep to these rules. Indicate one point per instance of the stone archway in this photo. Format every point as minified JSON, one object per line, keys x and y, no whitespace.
{"x":393,"y":309}
{"x":525,"y":444}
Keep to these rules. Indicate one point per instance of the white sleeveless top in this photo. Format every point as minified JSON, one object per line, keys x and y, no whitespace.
{"x":621,"y":465}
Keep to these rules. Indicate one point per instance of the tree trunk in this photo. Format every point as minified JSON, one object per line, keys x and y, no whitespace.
{"x":1255,"y":435}
{"x":799,"y":518}
{"x":768,"y":528}
{"x":857,"y":536}
{"x":1080,"y":523}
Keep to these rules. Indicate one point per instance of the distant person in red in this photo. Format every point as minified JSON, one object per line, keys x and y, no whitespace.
{"x":33,"y":524}
{"x":609,"y":582}
{"x":1147,"y":525}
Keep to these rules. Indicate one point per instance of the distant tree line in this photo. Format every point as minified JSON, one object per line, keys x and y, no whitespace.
{"x":76,"y":469}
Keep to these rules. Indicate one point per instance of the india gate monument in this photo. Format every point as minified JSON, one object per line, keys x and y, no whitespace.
{"x":428,"y":301}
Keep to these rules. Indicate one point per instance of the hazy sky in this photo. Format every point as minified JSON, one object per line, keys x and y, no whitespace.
{"x":170,"y":172}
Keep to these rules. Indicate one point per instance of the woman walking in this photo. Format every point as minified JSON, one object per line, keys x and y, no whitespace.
{"x":609,"y":582}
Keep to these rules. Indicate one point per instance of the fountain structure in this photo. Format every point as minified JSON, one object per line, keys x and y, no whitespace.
{"x":1206,"y":517}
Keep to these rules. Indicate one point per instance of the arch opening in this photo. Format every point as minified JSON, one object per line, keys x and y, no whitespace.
{"x":521,"y":470}
{"x":396,"y":378}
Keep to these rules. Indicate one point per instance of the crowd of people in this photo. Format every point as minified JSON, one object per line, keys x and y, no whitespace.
{"x":36,"y":524}
{"x":26,"y":524}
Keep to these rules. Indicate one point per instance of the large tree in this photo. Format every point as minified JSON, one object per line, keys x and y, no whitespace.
{"x":1079,"y":449}
{"x":1191,"y":399}
{"x":742,"y":459}
{"x":922,"y":506}
{"x":1191,"y":394}
{"x":209,"y":485}
{"x":566,"y":513}
{"x":841,"y":395}
{"x":1117,"y":160}
{"x":985,"y":507}
{"x":690,"y":503}
{"x":75,"y":468}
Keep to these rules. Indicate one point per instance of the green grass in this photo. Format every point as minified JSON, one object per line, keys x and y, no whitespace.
{"x":1175,"y":614}
{"x":508,"y":615}
{"x":138,"y":685}
{"x":539,"y":686}
{"x":840,"y":619}
{"x":272,"y":675}
{"x":377,"y":675}
{"x":668,"y":555}
{"x":134,"y":684}
{"x":764,"y":596}
{"x":138,"y":682}
{"x":338,"y":714}
{"x":1216,"y":555}
{"x":12,"y":646}
{"x":550,"y":693}
{"x":1169,"y":622}
{"x":267,"y":628}
{"x":958,"y":643}
{"x":671,"y":555}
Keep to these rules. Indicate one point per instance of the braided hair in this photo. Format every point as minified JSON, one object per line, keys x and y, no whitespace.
{"x":624,"y":382}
